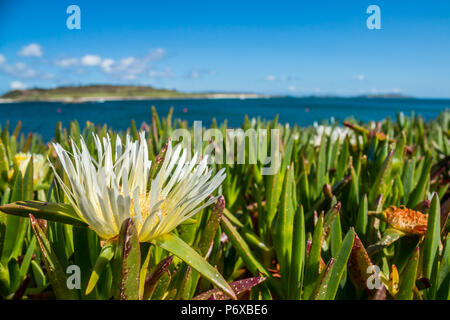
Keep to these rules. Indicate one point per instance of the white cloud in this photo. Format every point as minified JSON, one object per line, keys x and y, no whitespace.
{"x":128,"y":76}
{"x":106,"y":65}
{"x":31,"y":50}
{"x":24,"y":70}
{"x":2,"y":59}
{"x":19,"y":70}
{"x":197,"y":74}
{"x":292,"y":88}
{"x":157,"y":54}
{"x":127,"y":62}
{"x":282,"y":78}
{"x":385,"y":91}
{"x":68,"y":62}
{"x":194,"y":75}
{"x":131,"y":67}
{"x":161,"y":74}
{"x":17,"y":85}
{"x":359,"y":77}
{"x":91,"y":60}
{"x":127,"y":68}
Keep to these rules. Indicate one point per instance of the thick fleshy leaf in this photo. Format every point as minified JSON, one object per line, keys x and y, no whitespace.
{"x":320,"y":292}
{"x":361,"y":221}
{"x":4,"y":280}
{"x":175,"y":245}
{"x":408,"y":178}
{"x":24,"y":266}
{"x":321,"y":176}
{"x":83,"y":249}
{"x":432,"y":236}
{"x":252,"y":239}
{"x":382,"y":174}
{"x":238,"y":287}
{"x":273,"y":191}
{"x":152,"y":279}
{"x":53,"y":266}
{"x":358,"y":264}
{"x":443,"y":288}
{"x":242,"y":248}
{"x":339,"y":266}
{"x":144,"y":267}
{"x":162,"y":285}
{"x":58,"y":212}
{"x":313,"y":259}
{"x":127,"y":263}
{"x":418,"y":194}
{"x":14,"y":270}
{"x":298,"y":256}
{"x":211,"y":227}
{"x":15,"y":226}
{"x":106,"y":254}
{"x":282,"y":228}
{"x":390,"y":235}
{"x":4,"y":165}
{"x":28,"y":181}
{"x":206,"y":243}
{"x":408,"y":278}
{"x":330,"y":217}
{"x":159,"y":159}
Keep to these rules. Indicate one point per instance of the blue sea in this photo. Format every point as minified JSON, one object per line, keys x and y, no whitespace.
{"x":41,"y":117}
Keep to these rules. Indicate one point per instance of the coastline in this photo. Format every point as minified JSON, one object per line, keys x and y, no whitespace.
{"x":213,"y":96}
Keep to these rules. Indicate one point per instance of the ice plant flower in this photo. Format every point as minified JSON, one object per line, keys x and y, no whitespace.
{"x":392,"y":282}
{"x":40,"y":165}
{"x":336,"y":133}
{"x":406,"y":220}
{"x":117,"y":186}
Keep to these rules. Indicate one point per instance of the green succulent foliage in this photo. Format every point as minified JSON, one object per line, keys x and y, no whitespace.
{"x":312,"y":230}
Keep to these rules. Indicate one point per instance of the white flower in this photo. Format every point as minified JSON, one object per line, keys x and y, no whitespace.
{"x":336,"y":133}
{"x":40,"y":165}
{"x":118,"y":186}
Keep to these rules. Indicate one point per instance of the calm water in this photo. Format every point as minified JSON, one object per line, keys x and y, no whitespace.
{"x":41,"y":117}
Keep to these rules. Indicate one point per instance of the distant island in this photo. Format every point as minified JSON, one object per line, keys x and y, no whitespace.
{"x":76,"y":94}
{"x":385,"y":96}
{"x":362,"y":96}
{"x":105,"y":92}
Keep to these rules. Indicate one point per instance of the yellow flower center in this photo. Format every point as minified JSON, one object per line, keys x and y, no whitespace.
{"x":144,"y":206}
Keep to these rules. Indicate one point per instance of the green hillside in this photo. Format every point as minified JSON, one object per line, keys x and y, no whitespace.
{"x":94,"y":92}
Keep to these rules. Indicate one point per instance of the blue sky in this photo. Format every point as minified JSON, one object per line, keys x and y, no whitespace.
{"x":275,"y":47}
